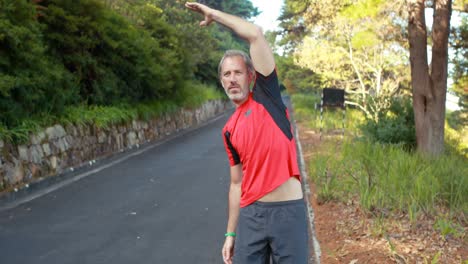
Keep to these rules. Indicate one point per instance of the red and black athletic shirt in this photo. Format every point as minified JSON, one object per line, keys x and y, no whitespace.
{"x":259,"y":136}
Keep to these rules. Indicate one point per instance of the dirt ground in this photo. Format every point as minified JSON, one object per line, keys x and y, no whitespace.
{"x":348,"y":235}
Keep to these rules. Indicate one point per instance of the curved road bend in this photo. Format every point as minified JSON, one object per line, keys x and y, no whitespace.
{"x":167,"y":205}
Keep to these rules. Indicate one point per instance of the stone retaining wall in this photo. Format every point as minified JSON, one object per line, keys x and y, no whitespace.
{"x":57,"y":148}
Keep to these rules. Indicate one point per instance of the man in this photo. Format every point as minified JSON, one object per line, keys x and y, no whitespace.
{"x":267,"y":216}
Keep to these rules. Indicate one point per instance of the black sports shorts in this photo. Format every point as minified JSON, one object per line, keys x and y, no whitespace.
{"x":276,"y":230}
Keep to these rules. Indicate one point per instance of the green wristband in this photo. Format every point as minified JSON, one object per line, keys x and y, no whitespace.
{"x":231,"y":234}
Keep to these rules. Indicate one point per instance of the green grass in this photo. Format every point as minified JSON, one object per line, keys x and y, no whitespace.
{"x":307,"y":109}
{"x":150,"y":110}
{"x":101,"y":116}
{"x":193,"y":95}
{"x":20,"y":133}
{"x":385,"y":178}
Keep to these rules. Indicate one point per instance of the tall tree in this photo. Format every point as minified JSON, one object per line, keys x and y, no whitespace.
{"x":429,"y":82}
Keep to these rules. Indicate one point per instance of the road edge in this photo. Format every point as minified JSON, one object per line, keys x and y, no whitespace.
{"x":306,"y":189}
{"x":316,"y":252}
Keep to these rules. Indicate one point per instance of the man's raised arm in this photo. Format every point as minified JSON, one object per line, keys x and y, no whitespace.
{"x":260,"y":51}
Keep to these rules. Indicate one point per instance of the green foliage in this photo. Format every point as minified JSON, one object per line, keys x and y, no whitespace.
{"x":366,"y":9}
{"x":198,"y":49}
{"x":459,"y":73}
{"x":327,"y":181}
{"x":456,"y":120}
{"x":296,"y":78}
{"x":31,"y":81}
{"x":149,"y":110}
{"x":459,"y":60}
{"x":386,"y":178}
{"x":448,"y":228}
{"x":307,"y":109}
{"x":105,"y":116}
{"x":299,"y":17}
{"x":364,"y":39}
{"x":241,"y":8}
{"x":193,"y":95}
{"x":456,"y":140}
{"x":305,"y":106}
{"x":101,"y":116}
{"x":394,"y":125}
{"x":20,"y":133}
{"x":105,"y":61}
{"x":5,"y":133}
{"x":82,"y":52}
{"x":114,"y":60}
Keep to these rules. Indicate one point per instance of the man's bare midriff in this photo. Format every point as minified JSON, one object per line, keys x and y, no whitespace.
{"x":290,"y":190}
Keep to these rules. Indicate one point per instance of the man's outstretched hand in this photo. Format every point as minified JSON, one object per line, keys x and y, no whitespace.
{"x":202,"y":9}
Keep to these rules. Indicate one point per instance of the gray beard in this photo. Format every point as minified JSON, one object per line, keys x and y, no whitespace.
{"x":236,"y":97}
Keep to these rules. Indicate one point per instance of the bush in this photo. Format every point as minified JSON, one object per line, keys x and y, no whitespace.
{"x":31,"y":81}
{"x":114,"y":60}
{"x":456,"y":141}
{"x":394,"y":125}
{"x":297,"y":79}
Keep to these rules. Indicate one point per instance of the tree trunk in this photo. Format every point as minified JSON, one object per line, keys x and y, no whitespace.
{"x":429,"y":87}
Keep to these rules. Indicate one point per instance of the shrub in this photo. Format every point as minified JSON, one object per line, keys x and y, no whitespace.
{"x":394,"y":125}
{"x":31,"y":81}
{"x":113,"y":60}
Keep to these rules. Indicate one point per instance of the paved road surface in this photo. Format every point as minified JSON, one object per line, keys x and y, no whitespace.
{"x":166,"y":205}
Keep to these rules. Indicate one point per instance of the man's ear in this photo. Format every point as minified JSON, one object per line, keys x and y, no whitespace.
{"x":251,"y":80}
{"x":251,"y":77}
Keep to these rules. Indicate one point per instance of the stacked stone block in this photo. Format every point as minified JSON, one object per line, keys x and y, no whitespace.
{"x":58,"y":148}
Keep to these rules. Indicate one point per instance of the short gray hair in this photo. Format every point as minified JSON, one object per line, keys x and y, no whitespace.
{"x":234,"y":53}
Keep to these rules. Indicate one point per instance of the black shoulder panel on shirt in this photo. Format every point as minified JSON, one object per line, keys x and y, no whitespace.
{"x":267,"y":93}
{"x":234,"y":153}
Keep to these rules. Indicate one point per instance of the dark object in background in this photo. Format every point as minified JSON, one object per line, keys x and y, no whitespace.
{"x":333,"y":97}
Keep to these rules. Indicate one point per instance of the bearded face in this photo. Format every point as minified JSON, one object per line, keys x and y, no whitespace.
{"x":235,"y":79}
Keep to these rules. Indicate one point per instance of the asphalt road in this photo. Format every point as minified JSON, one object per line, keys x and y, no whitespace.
{"x":165,"y":205}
